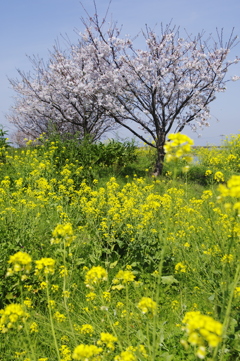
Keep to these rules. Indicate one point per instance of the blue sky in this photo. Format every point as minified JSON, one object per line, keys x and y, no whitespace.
{"x":31,"y":27}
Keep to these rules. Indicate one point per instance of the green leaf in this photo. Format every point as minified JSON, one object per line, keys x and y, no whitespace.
{"x":167,"y":357}
{"x":212,"y":297}
{"x":80,"y":261}
{"x":168,"y":280}
{"x":112,"y":265}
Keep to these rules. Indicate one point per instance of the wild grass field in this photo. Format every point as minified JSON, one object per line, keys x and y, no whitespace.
{"x":100,"y":260}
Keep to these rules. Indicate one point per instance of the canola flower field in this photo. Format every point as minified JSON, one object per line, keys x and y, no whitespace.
{"x":122,"y":269}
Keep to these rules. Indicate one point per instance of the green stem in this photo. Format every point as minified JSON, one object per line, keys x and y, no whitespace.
{"x":127,"y":306}
{"x":111,"y":325}
{"x":26,"y":329}
{"x":64,"y":294}
{"x":149,"y":346}
{"x":160,"y":269}
{"x":227,"y":314}
{"x":51,"y":320}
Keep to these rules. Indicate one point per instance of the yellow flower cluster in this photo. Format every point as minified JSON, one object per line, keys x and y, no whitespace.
{"x":225,"y":158}
{"x":28,"y":303}
{"x":65,"y":352}
{"x":21,"y":262}
{"x":87,"y":352}
{"x":87,"y":329}
{"x":59,"y":317}
{"x":34,"y":327}
{"x":125,"y":356}
{"x":13,"y":316}
{"x":130,"y":354}
{"x":124,"y":276}
{"x":232,"y":189}
{"x":95,"y":276}
{"x":237,"y":292}
{"x":46,"y":265}
{"x":146,"y":305}
{"x":63,"y":232}
{"x":178,"y":146}
{"x":208,"y":172}
{"x":107,"y":296}
{"x":91,"y":296}
{"x":181,"y":267}
{"x":227,"y":258}
{"x":202,"y":329}
{"x":108,"y":340}
{"x":219,"y":177}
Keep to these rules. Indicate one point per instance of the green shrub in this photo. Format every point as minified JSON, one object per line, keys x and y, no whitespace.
{"x":4,"y":144}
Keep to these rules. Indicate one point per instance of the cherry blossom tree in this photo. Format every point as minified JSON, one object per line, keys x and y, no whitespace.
{"x":60,"y":96}
{"x":165,"y":87}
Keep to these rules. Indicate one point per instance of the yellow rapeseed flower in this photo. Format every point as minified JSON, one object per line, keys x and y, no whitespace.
{"x":52,"y":304}
{"x":28,"y":303}
{"x":59,"y":317}
{"x":65,"y":352}
{"x":91,"y":296}
{"x":21,"y":262}
{"x":33,"y":327}
{"x":201,"y":352}
{"x":86,"y":352}
{"x":55,"y":288}
{"x":237,"y":292}
{"x":108,"y":340}
{"x":63,"y":232}
{"x":178,"y":146}
{"x":232,"y":189}
{"x":219,"y":177}
{"x":87,"y":329}
{"x":63,"y":271}
{"x":180,"y":267}
{"x":227,"y":258}
{"x":66,"y":294}
{"x":12,"y":316}
{"x":202,"y":328}
{"x":46,"y":265}
{"x":208,"y":172}
{"x":107,"y":296}
{"x":146,"y":304}
{"x":125,"y":356}
{"x":95,"y":276}
{"x":124,"y":276}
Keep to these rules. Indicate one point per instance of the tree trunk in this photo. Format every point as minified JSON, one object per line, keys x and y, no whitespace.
{"x":160,"y":160}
